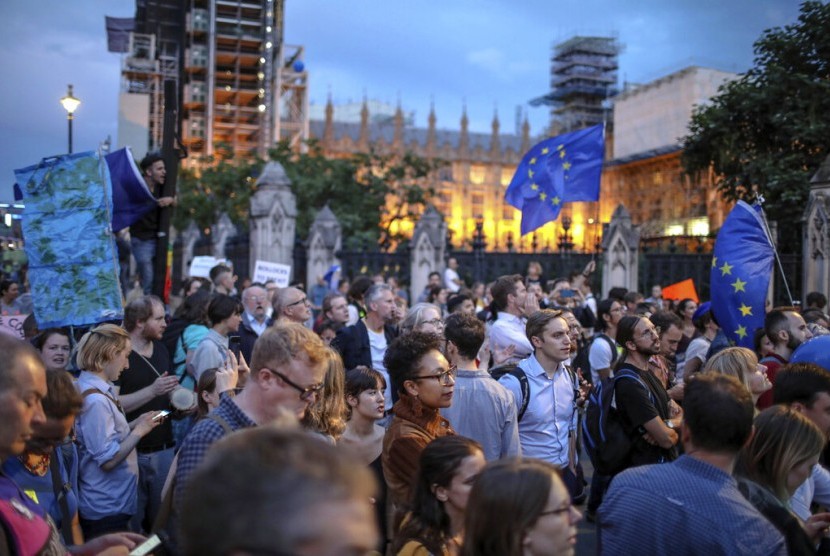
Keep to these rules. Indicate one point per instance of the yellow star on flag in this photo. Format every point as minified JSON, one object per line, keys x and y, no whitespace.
{"x":562,"y":154}
{"x":714,"y":262}
{"x":725,"y":269}
{"x":530,"y":174}
{"x":560,"y":147}
{"x":566,"y":165}
{"x":543,"y":195}
{"x":534,"y":187}
{"x":533,"y":160}
{"x":741,"y":332}
{"x":556,"y":201}
{"x":545,"y":150}
{"x":745,"y":311}
{"x":738,"y":284}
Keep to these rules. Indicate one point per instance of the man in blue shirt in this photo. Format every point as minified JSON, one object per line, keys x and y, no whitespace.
{"x":692,"y":506}
{"x":547,"y":430}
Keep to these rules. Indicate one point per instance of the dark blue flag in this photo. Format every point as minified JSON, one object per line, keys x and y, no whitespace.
{"x":561,"y":169}
{"x":741,"y":271}
{"x":131,"y":199}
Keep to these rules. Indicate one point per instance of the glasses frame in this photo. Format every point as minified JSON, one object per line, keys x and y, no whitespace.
{"x":443,"y":377}
{"x":305,"y":393}
{"x":304,"y":300}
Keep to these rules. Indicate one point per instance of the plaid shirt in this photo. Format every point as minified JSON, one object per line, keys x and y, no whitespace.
{"x":201,"y":437}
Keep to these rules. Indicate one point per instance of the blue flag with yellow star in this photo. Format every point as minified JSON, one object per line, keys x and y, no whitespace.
{"x":741,"y":271}
{"x":558,"y":170}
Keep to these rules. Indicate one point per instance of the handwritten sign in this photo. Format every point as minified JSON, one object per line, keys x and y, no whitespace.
{"x":200,"y":266}
{"x":279,"y":273}
{"x":12,"y":325}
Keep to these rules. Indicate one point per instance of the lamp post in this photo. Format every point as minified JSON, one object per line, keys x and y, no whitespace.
{"x":70,"y":104}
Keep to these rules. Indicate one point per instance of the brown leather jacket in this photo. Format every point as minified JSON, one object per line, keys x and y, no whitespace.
{"x":413,"y":427}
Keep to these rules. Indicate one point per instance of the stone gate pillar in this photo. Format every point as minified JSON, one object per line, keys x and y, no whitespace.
{"x":190,"y":236}
{"x":273,"y":218}
{"x":220,"y":233}
{"x":324,"y":241}
{"x":816,"y":233}
{"x":621,"y":248}
{"x":428,"y":243}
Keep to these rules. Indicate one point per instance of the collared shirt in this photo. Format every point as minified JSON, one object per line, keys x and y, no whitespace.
{"x":815,"y":489}
{"x":201,"y":436}
{"x":100,"y":428}
{"x":550,"y":417}
{"x":256,"y":326}
{"x":695,"y":508}
{"x":510,"y":329}
{"x":211,"y":353}
{"x":484,"y":410}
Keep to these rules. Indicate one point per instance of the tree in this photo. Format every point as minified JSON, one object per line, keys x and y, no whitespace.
{"x":768,"y":130}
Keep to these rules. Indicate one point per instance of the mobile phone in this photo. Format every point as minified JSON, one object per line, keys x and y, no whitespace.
{"x":161,"y":415}
{"x":147,"y":547}
{"x":234,"y":344}
{"x":567,"y":293}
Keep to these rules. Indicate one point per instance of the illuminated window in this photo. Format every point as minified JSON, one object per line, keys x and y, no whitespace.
{"x":674,"y":230}
{"x":507,"y":175}
{"x":699,"y":227}
{"x":507,"y":212}
{"x":477,"y":174}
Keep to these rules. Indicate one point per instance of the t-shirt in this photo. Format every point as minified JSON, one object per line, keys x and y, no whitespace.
{"x":377,"y":343}
{"x":698,"y":348}
{"x":140,"y":375}
{"x":26,"y":528}
{"x":636,"y":408}
{"x":148,"y":225}
{"x":450,"y":277}
{"x":600,"y":357}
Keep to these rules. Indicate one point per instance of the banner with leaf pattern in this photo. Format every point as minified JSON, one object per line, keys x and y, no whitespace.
{"x":73,"y":264}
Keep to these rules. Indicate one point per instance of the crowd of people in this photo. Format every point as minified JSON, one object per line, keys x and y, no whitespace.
{"x":350,"y":421}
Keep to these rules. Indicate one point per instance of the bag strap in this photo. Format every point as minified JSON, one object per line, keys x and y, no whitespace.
{"x":60,"y":490}
{"x":221,"y":422}
{"x":92,"y":391}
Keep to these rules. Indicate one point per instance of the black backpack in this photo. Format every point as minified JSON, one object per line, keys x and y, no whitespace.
{"x":524,"y":384}
{"x":583,"y":361}
{"x":606,"y":440}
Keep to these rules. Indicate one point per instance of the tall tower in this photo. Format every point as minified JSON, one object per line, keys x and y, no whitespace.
{"x":583,"y":76}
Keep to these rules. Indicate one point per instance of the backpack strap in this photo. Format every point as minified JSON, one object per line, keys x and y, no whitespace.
{"x":226,"y":428}
{"x":524,"y":385}
{"x":61,"y":489}
{"x":92,"y":391}
{"x":613,"y":345}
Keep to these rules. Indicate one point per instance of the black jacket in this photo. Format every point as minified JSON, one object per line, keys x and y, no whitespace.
{"x":247,"y":337}
{"x":353,"y":344}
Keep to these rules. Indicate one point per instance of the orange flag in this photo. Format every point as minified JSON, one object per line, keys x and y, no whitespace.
{"x":681,"y":290}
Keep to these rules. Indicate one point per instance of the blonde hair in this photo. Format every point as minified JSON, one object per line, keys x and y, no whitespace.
{"x":101,"y":345}
{"x":783,"y":439}
{"x":327,"y":415}
{"x":739,"y":362}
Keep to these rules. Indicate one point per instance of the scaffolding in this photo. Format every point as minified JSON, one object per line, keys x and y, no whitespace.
{"x":291,"y":107}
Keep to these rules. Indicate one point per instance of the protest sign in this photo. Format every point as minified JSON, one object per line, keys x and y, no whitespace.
{"x":279,"y":273}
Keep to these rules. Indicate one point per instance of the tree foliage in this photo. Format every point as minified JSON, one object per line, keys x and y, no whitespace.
{"x":769,"y":129}
{"x":368,"y":192}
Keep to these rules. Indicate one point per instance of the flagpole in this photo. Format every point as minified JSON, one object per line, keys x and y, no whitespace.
{"x":760,"y":200}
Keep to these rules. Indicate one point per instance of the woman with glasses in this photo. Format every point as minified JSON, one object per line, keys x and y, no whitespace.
{"x":424,"y":381}
{"x":54,"y":347}
{"x":51,"y":458}
{"x":522,"y":508}
{"x":423,"y":317}
{"x":435,"y":522}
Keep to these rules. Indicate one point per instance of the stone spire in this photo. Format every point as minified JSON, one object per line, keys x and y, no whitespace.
{"x":495,"y":147}
{"x":328,"y":130}
{"x":431,"y":137}
{"x":363,"y":139}
{"x":464,"y":140}
{"x":397,"y":138}
{"x":525,"y":136}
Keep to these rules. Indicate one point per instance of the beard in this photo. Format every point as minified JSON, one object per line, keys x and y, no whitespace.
{"x":793,"y":342}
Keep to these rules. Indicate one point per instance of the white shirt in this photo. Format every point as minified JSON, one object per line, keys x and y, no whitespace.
{"x":815,"y":489}
{"x":256,"y":326}
{"x":599,"y":356}
{"x":450,"y":276}
{"x":377,"y":343}
{"x":510,"y":329}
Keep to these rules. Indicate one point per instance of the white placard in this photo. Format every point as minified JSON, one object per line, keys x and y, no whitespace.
{"x":12,"y":325}
{"x":279,"y":273}
{"x":200,"y":266}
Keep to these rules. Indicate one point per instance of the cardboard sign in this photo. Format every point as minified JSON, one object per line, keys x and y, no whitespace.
{"x":12,"y":325}
{"x":200,"y":266}
{"x":279,"y":273}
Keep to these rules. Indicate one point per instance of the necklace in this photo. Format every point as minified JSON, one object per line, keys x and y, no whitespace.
{"x":36,"y":464}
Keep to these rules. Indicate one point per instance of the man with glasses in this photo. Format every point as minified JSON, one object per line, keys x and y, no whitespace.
{"x":255,"y":318}
{"x":643,"y":406}
{"x":364,"y":343}
{"x":547,"y":429}
{"x":292,"y":305}
{"x":604,"y":351}
{"x":287,"y":368}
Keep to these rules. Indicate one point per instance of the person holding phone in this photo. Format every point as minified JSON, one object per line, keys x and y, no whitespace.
{"x":108,"y":478}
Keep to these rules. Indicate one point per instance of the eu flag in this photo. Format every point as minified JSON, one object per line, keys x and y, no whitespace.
{"x":741,"y":271}
{"x":560,"y":169}
{"x":131,"y":199}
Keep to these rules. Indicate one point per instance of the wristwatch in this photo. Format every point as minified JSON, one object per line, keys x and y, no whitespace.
{"x":670,"y":424}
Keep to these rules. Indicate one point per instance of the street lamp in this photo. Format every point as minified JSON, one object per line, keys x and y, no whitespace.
{"x":70,"y":104}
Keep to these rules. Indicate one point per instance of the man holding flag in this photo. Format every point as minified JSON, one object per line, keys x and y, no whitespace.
{"x":560,"y":169}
